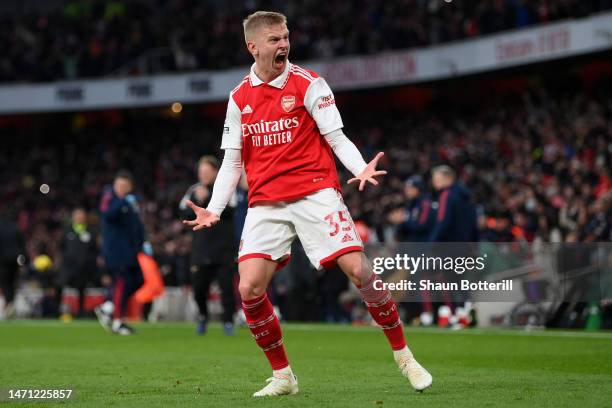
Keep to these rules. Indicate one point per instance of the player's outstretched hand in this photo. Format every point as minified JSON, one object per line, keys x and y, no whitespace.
{"x":204,"y":218}
{"x":368,"y":174}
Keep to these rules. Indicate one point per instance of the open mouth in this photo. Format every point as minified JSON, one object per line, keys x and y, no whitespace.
{"x":280,"y":58}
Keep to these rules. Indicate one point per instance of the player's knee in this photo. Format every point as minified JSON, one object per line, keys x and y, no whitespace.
{"x":358,"y":273}
{"x":250,"y":290}
{"x":355,"y":266}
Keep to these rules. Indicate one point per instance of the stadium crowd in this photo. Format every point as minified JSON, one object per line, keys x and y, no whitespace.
{"x":78,"y":38}
{"x":538,"y":167}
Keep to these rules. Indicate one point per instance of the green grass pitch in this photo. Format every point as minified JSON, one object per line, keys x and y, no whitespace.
{"x":167,"y":365}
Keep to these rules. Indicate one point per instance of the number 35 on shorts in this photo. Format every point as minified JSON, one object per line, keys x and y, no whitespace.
{"x":341,"y":224}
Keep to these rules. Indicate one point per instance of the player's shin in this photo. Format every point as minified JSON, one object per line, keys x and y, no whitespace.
{"x":384,"y":312}
{"x":266,"y":330}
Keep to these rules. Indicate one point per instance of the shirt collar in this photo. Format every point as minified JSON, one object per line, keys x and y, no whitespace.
{"x":277,"y":82}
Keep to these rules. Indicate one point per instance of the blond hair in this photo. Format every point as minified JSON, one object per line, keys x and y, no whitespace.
{"x":261,"y":19}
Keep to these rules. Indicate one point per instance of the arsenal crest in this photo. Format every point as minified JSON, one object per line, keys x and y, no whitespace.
{"x":288,"y":102}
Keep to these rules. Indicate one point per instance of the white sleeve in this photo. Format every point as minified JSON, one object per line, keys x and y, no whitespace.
{"x":346,"y":151}
{"x":232,"y":128}
{"x":226,"y":181}
{"x":320,"y":103}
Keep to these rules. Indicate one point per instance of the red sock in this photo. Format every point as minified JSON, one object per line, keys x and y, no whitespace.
{"x":384,"y":312}
{"x":266,"y":330}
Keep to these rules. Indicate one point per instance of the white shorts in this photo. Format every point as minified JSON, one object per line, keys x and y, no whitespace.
{"x":321,"y":221}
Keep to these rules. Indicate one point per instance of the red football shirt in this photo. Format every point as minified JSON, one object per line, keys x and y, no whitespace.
{"x":280,"y":126}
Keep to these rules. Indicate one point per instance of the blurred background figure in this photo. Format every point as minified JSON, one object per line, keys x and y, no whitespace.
{"x":43,"y":273}
{"x":414,"y":222}
{"x":213,"y":249}
{"x":242,"y":205}
{"x":332,"y":283}
{"x":122,"y":240}
{"x":456,"y":214}
{"x":79,"y":251}
{"x":497,"y":228}
{"x":456,"y":221}
{"x":12,"y":254}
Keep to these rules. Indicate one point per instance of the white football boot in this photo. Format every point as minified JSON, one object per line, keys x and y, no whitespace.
{"x":104,"y":313}
{"x":419,"y":378}
{"x":279,"y":384}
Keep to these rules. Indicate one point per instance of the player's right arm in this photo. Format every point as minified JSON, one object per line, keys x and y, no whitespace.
{"x":229,"y":172}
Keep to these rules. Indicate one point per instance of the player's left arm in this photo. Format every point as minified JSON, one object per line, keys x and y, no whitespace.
{"x":320,"y":103}
{"x":351,"y":158}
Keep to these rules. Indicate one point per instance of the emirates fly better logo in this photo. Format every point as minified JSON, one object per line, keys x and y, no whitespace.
{"x":270,"y":133}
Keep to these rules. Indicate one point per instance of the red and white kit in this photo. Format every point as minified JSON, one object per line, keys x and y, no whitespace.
{"x":282,"y":128}
{"x":286,"y":133}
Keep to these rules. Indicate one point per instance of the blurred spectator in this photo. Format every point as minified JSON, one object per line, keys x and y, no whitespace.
{"x":535,"y":162}
{"x":106,"y":37}
{"x":498,"y":228}
{"x":331,"y":284}
{"x":43,"y":272}
{"x":213,"y":249}
{"x":598,"y":228}
{"x":456,"y":215}
{"x":122,"y":240}
{"x":79,"y":251}
{"x":242,"y":204}
{"x":415,"y":222}
{"x":12,"y":253}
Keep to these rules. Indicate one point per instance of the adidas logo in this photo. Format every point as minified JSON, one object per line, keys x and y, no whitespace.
{"x":347,"y":238}
{"x":247,"y":109}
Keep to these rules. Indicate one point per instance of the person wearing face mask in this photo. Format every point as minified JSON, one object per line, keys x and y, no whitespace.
{"x":212,"y":250}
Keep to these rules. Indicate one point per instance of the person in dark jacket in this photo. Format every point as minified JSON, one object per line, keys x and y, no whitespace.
{"x":415,"y":221}
{"x":456,"y":221}
{"x":12,"y":247}
{"x":212,"y":253}
{"x":79,"y":248}
{"x":456,"y":215}
{"x":122,"y":240}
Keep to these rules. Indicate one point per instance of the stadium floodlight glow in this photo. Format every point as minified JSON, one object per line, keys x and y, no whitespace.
{"x":177,"y":107}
